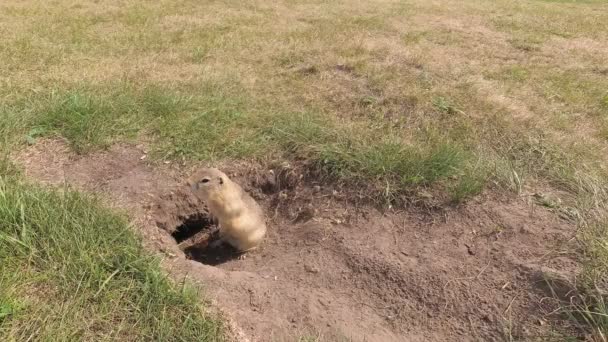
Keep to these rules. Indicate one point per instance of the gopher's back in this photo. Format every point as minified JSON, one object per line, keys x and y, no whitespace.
{"x":247,"y":228}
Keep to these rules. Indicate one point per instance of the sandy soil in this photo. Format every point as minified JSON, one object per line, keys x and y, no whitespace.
{"x":337,"y":271}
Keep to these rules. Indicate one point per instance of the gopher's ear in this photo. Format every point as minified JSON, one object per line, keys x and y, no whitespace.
{"x":221,"y":180}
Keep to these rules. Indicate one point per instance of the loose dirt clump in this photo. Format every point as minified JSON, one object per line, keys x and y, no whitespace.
{"x":338,"y":271}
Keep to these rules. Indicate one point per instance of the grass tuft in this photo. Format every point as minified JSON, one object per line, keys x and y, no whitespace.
{"x":89,"y":120}
{"x":350,"y":154}
{"x":72,"y":270}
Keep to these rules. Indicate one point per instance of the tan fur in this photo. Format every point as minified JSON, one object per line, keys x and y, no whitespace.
{"x":241,"y":220}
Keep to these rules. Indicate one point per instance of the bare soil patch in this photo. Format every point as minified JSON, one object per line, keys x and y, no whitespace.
{"x":338,"y":271}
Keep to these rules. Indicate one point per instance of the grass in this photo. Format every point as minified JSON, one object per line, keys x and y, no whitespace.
{"x":455,"y":96}
{"x":216,"y":126}
{"x":73,"y":270}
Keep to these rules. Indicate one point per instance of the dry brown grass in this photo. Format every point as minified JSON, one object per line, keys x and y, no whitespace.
{"x":483,"y":74}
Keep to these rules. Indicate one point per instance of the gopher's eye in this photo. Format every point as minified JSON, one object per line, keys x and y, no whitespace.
{"x":205,"y":180}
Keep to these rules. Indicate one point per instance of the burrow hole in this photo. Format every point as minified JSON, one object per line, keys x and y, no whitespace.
{"x":197,"y":235}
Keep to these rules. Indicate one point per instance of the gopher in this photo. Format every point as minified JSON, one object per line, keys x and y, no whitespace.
{"x":241,"y":220}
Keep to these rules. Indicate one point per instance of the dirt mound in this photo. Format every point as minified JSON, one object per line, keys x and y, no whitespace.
{"x":337,"y":271}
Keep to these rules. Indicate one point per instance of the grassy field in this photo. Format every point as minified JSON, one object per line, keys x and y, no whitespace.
{"x":456,"y":97}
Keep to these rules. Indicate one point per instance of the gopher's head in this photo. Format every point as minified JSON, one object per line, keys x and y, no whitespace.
{"x":207,"y":181}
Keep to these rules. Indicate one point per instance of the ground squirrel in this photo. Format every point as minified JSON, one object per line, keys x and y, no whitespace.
{"x":241,"y":220}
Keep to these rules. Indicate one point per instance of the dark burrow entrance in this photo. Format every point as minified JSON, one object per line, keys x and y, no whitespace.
{"x":198,"y":236}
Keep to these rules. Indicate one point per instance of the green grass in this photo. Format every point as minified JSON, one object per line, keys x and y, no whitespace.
{"x":589,"y":307}
{"x":218,"y":126}
{"x":89,"y":120}
{"x":73,"y":270}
